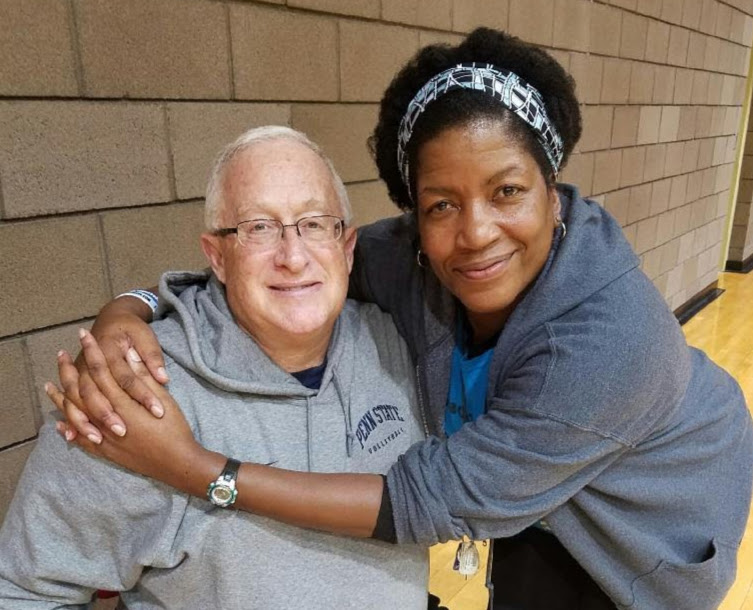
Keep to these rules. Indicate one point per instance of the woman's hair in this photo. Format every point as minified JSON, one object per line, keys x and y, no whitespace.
{"x":462,"y":107}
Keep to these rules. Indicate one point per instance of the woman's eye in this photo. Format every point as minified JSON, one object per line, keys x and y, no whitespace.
{"x":509,"y":191}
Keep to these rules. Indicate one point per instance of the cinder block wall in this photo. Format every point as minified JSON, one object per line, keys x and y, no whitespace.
{"x":111,"y":110}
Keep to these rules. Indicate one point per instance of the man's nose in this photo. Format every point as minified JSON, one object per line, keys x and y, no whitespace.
{"x":292,"y":252}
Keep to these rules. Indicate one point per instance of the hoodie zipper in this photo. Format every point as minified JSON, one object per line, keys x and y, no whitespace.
{"x":421,"y":403}
{"x":490,"y":559}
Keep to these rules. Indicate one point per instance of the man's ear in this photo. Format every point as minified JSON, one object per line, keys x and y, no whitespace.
{"x":213,"y":250}
{"x":351,"y":235}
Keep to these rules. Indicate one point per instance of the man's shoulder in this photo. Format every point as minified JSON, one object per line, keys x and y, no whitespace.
{"x":358,"y":313}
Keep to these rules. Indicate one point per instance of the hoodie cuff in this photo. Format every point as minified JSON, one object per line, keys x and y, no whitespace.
{"x":385,"y":525}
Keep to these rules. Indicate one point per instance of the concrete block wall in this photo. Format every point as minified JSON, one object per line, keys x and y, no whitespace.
{"x":111,"y":111}
{"x":666,"y":84}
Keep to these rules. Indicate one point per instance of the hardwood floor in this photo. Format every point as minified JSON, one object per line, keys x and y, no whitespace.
{"x":724,"y":330}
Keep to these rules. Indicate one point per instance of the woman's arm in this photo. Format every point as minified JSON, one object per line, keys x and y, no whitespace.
{"x":493,"y":478}
{"x":166,"y":450}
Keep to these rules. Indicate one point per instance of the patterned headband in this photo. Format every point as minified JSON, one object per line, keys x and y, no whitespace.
{"x":505,"y":86}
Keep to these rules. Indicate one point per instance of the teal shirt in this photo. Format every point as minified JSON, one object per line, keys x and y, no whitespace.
{"x":469,"y":376}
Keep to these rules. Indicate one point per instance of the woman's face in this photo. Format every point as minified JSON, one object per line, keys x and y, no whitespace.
{"x":486,"y":218}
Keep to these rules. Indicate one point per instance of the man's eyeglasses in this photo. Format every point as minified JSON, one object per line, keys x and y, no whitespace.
{"x":269,"y":232}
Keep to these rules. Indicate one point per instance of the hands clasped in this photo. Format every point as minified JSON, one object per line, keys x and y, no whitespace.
{"x":128,"y":434}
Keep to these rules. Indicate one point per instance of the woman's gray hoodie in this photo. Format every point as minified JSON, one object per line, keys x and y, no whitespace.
{"x":78,"y":523}
{"x":635,"y":448}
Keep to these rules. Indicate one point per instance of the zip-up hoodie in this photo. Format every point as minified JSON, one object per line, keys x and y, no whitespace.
{"x":635,"y":448}
{"x":78,"y":523}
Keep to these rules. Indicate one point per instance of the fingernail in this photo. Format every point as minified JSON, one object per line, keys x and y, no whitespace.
{"x":48,"y":388}
{"x":81,"y":333}
{"x":157,"y":409}
{"x":133,"y":355}
{"x":118,"y":429}
{"x":60,"y":427}
{"x":162,"y":372}
{"x":68,"y":435}
{"x":61,"y":353}
{"x":94,"y":438}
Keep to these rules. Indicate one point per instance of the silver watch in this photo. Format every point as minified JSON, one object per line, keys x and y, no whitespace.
{"x":222,"y":491}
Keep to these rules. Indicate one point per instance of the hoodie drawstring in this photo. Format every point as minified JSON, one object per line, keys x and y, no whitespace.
{"x":345,"y":403}
{"x":309,"y":426}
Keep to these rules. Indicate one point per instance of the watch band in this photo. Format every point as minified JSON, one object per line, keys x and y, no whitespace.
{"x":230,"y":472}
{"x":222,"y":491}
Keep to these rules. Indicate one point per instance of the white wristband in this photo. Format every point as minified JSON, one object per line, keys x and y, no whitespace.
{"x":144,"y":296}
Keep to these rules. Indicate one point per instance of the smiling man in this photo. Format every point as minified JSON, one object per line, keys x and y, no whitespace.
{"x":270,"y":364}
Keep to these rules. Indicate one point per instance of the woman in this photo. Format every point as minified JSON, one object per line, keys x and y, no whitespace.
{"x":571,"y":421}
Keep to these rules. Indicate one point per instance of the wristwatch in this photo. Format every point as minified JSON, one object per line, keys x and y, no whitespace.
{"x":222,"y":491}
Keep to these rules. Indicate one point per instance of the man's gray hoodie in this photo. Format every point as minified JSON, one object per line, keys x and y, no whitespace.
{"x":78,"y":524}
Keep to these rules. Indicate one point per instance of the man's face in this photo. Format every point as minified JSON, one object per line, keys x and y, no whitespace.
{"x":292,"y":290}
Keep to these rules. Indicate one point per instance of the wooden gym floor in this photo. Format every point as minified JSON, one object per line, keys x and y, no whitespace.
{"x":724,"y":330}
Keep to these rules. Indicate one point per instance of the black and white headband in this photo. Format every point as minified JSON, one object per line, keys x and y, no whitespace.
{"x":505,"y":86}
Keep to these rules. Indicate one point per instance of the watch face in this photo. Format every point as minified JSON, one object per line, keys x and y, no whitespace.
{"x":222,"y":495}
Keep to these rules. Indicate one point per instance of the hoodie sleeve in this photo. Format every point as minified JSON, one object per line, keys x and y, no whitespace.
{"x":573,"y":403}
{"x":385,"y":272}
{"x":78,"y":524}
{"x":382,"y":263}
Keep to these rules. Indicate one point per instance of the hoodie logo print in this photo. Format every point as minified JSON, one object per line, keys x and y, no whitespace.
{"x":373,"y":419}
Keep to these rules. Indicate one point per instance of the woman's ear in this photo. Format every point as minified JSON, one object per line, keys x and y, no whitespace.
{"x":213,"y":250}
{"x":554,"y":200}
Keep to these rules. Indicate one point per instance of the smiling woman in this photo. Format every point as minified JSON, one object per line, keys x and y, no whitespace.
{"x":568,"y":418}
{"x":486,"y":219}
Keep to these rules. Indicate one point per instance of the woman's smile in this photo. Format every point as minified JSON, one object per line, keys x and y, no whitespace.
{"x":485,"y":269}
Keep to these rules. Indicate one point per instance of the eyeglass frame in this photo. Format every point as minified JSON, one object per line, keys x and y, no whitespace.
{"x":340,"y":226}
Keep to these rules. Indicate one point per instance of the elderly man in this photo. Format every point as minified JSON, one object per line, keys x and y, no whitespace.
{"x":270,"y":364}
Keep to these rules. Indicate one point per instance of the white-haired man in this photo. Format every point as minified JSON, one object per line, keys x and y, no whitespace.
{"x":270,"y":364}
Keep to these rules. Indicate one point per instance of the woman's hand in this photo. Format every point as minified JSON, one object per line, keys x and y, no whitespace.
{"x":120,"y":326}
{"x":163,"y":449}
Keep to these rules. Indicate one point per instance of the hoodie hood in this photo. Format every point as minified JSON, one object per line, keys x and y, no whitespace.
{"x":364,"y":404}
{"x":593,"y":254}
{"x":201,"y":334}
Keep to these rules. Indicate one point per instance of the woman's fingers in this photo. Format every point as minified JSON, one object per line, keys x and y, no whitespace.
{"x":88,"y":404}
{"x":57,"y":398}
{"x":139,"y":368}
{"x":98,"y":407}
{"x":76,"y":422}
{"x":99,"y":389}
{"x":87,"y":444}
{"x":68,"y":403}
{"x":134,"y":385}
{"x":153,"y":360}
